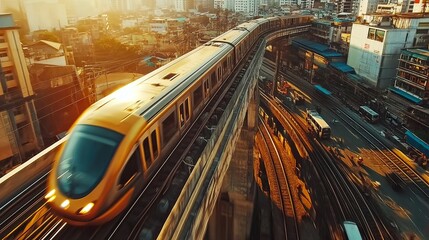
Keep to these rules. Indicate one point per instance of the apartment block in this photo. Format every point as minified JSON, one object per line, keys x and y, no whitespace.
{"x":19,"y":127}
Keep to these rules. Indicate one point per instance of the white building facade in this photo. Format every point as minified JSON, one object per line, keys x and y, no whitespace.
{"x":375,"y":48}
{"x":367,"y":7}
{"x":220,"y":4}
{"x":247,"y":6}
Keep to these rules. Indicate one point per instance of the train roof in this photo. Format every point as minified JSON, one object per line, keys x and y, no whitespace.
{"x":233,"y":36}
{"x":249,"y":25}
{"x":273,"y":18}
{"x":147,"y":95}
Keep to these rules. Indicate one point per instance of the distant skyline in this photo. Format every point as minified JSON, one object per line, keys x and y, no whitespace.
{"x":52,"y":14}
{"x":79,"y":8}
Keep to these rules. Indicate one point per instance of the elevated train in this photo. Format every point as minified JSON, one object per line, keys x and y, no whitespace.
{"x":118,"y":143}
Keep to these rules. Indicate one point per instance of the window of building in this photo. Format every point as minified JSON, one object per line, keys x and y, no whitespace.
{"x":376,"y":34}
{"x":423,"y":24}
{"x":8,"y":75}
{"x":371,"y":33}
{"x":379,"y":35}
{"x":422,"y":31}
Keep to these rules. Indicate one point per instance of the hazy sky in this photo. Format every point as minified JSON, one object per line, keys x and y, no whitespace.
{"x":78,"y":8}
{"x":49,"y":14}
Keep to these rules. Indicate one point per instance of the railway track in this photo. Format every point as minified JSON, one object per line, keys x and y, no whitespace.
{"x":348,"y":200}
{"x":280,"y":190}
{"x":394,"y":163}
{"x":17,"y":213}
{"x":381,"y":148}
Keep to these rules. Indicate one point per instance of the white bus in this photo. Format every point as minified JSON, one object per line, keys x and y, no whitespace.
{"x":318,"y":124}
{"x":351,"y":230}
{"x":369,"y":114}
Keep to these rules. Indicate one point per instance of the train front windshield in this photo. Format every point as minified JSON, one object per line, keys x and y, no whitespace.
{"x":85,"y":158}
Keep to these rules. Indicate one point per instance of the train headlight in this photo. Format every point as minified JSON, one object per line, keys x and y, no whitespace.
{"x":87,"y":208}
{"x":65,"y":204}
{"x":50,"y":196}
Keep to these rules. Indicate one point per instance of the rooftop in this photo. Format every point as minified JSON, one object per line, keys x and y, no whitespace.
{"x":6,"y":21}
{"x":399,"y":15}
{"x":420,"y":51}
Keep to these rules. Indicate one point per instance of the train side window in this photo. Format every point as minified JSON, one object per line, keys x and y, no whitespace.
{"x":154,"y":144}
{"x":169,"y":127}
{"x":146,"y":152}
{"x":198,"y":96}
{"x":131,"y":169}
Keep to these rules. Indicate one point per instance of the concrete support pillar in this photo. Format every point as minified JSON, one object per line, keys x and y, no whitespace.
{"x":232,"y":217}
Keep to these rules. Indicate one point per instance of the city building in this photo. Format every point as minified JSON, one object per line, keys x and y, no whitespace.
{"x":345,"y":6}
{"x":60,"y":99}
{"x":184,"y":5}
{"x":20,"y":136}
{"x":121,"y":5}
{"x":78,"y":46}
{"x":412,"y":84}
{"x":220,"y":4}
{"x":367,"y":7}
{"x":376,"y":43}
{"x":322,"y":30}
{"x":412,"y":79}
{"x":164,"y":26}
{"x":45,"y":15}
{"x":204,"y":5}
{"x":341,"y":35}
{"x":335,"y":33}
{"x":417,"y":6}
{"x":77,"y":9}
{"x":391,"y":8}
{"x":250,"y":7}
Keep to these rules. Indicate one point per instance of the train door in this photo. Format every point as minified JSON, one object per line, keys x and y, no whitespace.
{"x":197,"y":99}
{"x":231,"y":61}
{"x":150,"y":147}
{"x":169,"y":127}
{"x":184,"y":112}
{"x":225,"y":68}
{"x":238,"y":56}
{"x":132,"y":169}
{"x":213,"y":81}
{"x":219,"y":74}
{"x":206,"y":86}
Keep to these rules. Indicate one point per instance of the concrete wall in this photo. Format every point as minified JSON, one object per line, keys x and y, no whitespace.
{"x":25,"y":174}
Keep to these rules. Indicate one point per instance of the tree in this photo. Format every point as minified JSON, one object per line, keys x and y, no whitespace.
{"x":109,"y":48}
{"x":203,"y":20}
